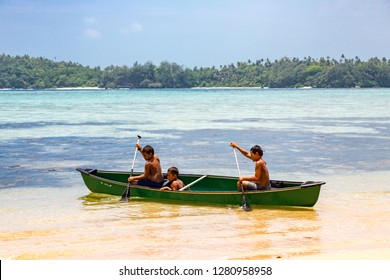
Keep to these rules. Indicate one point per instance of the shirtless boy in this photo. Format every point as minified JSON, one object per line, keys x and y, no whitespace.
{"x":259,"y":181}
{"x":152,"y":176}
{"x":174,"y":183}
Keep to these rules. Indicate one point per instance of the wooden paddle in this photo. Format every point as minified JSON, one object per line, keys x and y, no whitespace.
{"x":126,"y":193}
{"x":192,"y":183}
{"x":245,"y":205}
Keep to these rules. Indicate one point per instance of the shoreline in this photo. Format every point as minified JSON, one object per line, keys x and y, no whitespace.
{"x":191,"y":88}
{"x":43,"y":89}
{"x":363,"y":254}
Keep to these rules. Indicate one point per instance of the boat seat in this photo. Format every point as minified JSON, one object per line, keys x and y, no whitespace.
{"x":276,"y":184}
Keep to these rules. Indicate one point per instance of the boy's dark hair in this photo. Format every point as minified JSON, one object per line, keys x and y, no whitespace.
{"x":257,"y":149}
{"x":148,"y":149}
{"x":173,"y":170}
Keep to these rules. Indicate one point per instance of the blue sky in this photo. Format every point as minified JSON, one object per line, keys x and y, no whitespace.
{"x":193,"y":33}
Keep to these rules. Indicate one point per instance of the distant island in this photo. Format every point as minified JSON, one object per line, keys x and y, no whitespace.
{"x":25,"y":72}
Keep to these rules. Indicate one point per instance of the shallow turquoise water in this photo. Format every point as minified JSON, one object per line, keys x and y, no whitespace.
{"x":340,"y":136}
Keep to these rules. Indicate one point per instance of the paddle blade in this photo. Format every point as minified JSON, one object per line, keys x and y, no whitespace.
{"x":245,"y":205}
{"x":126,"y":193}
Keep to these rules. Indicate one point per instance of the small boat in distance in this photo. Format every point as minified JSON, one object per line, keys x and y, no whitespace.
{"x":206,"y":189}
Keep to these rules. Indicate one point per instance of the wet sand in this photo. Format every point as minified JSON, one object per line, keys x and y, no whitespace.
{"x":340,"y":226}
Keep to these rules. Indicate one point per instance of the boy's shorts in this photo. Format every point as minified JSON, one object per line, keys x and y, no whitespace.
{"x":256,"y":187}
{"x":150,"y":183}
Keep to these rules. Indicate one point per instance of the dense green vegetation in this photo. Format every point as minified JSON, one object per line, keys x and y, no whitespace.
{"x":38,"y":73}
{"x":28,"y":72}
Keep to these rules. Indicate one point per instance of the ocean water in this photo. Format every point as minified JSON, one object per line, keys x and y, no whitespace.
{"x":341,"y":136}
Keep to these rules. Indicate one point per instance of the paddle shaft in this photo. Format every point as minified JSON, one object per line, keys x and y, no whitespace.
{"x":238,"y":167}
{"x":126,"y":193}
{"x":192,"y":183}
{"x":245,"y":205}
{"x":135,"y":155}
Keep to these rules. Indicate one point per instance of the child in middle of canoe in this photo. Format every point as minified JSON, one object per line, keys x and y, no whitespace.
{"x":174,"y":183}
{"x":152,"y":176}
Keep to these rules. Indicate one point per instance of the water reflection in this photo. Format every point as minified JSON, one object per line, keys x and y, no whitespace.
{"x":150,"y":229}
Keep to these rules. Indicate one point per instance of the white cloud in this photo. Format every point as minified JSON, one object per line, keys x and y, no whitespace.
{"x":90,"y":20}
{"x":92,"y":34}
{"x":134,"y":27}
{"x":90,"y":30}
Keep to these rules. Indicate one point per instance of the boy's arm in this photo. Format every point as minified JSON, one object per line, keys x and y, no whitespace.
{"x":143,"y":175}
{"x":256,"y":177}
{"x":175,"y":186}
{"x":242,"y":151}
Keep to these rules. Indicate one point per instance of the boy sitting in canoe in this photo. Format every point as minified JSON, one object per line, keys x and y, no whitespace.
{"x":259,"y":181}
{"x":174,"y":183}
{"x":152,"y":176}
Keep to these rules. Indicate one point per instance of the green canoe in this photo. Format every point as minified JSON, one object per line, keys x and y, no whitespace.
{"x":206,"y":189}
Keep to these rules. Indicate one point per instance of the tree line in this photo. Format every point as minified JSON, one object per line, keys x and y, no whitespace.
{"x":38,"y":73}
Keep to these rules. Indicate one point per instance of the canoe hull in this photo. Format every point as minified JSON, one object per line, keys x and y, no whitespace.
{"x":213,"y":189}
